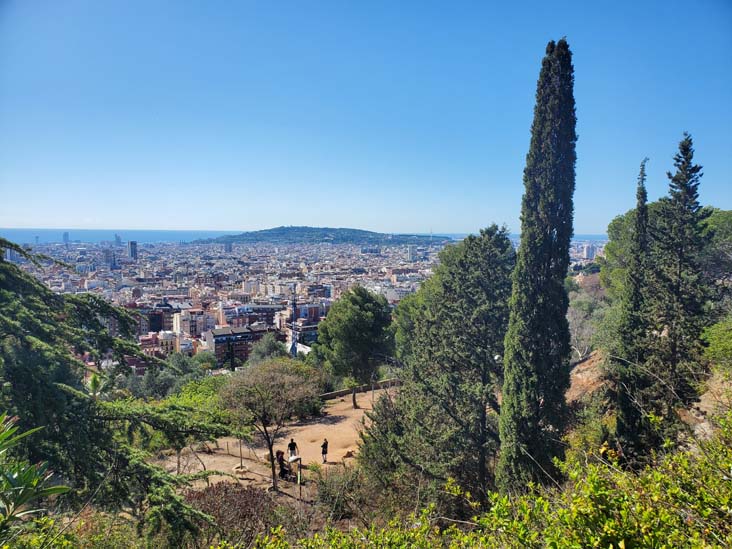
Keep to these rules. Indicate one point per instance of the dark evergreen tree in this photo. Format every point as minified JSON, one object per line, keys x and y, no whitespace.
{"x":444,"y":424}
{"x":536,"y":362}
{"x":627,"y":368}
{"x":679,"y":287}
{"x":355,"y":338}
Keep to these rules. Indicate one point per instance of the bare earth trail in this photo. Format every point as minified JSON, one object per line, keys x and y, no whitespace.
{"x":340,"y":424}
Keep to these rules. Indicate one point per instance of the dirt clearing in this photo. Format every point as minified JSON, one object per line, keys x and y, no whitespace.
{"x":340,"y":424}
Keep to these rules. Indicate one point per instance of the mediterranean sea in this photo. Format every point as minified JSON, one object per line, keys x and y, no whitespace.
{"x":50,"y":236}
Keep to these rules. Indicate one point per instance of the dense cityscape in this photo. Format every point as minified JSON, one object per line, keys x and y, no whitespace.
{"x":193,"y":297}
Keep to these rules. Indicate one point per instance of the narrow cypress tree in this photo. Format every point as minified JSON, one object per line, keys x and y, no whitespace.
{"x":536,"y":363}
{"x":628,"y":368}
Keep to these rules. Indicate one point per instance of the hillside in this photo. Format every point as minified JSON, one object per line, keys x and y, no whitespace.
{"x":316,"y":235}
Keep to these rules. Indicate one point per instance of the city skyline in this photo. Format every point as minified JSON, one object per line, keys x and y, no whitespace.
{"x":392,"y":120}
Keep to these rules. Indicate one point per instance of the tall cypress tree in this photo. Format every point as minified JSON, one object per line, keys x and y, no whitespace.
{"x":628,"y":368}
{"x":537,"y":347}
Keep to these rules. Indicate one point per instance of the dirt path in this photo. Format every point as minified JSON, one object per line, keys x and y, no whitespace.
{"x":340,"y":424}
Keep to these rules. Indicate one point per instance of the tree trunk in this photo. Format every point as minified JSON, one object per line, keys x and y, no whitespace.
{"x":353,"y":397}
{"x":195,"y":454}
{"x":483,"y":439}
{"x":270,"y":445}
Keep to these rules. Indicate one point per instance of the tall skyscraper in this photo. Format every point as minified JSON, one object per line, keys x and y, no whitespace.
{"x":108,"y":256}
{"x":411,"y":252}
{"x":132,"y":249}
{"x":588,"y":251}
{"x":117,"y":240}
{"x":66,"y":238}
{"x":11,"y":255}
{"x":228,"y":247}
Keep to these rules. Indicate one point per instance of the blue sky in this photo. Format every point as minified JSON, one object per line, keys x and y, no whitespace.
{"x":390,"y":116}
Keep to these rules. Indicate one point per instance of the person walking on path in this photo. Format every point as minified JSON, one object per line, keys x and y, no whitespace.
{"x":292,"y":447}
{"x":324,"y":448}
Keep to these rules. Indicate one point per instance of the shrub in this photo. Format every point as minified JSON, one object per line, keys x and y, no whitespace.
{"x":338,"y":490}
{"x":103,"y":531}
{"x":239,"y":513}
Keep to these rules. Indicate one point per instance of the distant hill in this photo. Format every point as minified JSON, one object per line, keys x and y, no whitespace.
{"x":315,"y":235}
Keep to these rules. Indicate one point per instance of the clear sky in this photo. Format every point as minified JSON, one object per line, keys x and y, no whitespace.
{"x":390,"y":116}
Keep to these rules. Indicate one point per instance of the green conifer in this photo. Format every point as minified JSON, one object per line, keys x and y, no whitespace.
{"x":628,"y":368}
{"x":679,"y":287}
{"x":453,"y":376}
{"x":537,"y":343}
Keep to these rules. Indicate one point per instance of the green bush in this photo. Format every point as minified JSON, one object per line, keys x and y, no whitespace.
{"x":685,"y":500}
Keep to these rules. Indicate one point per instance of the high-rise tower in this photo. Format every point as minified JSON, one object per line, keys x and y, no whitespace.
{"x":132,"y":249}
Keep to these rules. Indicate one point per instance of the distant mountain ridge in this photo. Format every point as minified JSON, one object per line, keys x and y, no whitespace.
{"x":315,"y":235}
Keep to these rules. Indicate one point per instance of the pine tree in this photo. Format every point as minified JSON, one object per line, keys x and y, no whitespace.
{"x":679,"y":286}
{"x":628,"y":367}
{"x":355,"y":338}
{"x":450,"y":334}
{"x":537,"y":343}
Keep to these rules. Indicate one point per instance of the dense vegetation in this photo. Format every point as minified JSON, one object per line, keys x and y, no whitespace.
{"x":354,"y":338}
{"x":685,"y":500}
{"x":479,"y":447}
{"x":444,"y":423}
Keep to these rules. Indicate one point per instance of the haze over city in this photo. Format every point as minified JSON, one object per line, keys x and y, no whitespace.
{"x":403,"y":117}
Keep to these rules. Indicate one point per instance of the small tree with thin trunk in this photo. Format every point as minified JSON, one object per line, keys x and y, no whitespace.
{"x":267,"y":395}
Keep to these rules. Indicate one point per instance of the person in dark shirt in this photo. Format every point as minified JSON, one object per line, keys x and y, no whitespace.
{"x":284,"y":467}
{"x":324,"y":448}
{"x":292,"y":447}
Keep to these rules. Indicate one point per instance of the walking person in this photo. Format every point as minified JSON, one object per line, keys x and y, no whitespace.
{"x":324,"y":448}
{"x":292,"y":447}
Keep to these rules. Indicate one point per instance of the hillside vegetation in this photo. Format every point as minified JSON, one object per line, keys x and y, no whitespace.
{"x":325,"y":235}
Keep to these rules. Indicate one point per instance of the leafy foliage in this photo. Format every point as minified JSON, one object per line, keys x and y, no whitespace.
{"x":45,"y":341}
{"x":266,"y":348}
{"x":202,"y":395}
{"x":718,"y":339}
{"x":683,"y":501}
{"x":22,"y":484}
{"x":165,"y":378}
{"x":268,"y":394}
